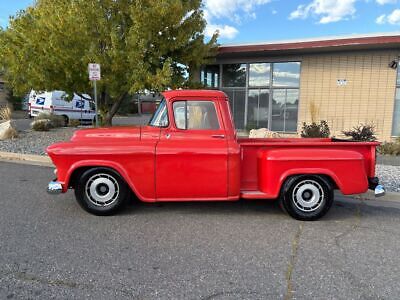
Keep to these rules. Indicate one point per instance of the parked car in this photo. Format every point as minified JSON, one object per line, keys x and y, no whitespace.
{"x":55,"y":102}
{"x":190,"y":151}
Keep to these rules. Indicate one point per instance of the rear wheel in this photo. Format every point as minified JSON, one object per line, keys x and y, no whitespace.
{"x":306,"y":197}
{"x":101,"y":191}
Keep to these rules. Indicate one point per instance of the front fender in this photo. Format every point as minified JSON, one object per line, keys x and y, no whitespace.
{"x":100,"y":163}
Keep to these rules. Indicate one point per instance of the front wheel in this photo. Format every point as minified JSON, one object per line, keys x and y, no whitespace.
{"x":306,"y":197}
{"x":101,"y":191}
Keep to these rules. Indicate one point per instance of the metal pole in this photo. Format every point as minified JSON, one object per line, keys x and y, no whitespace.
{"x":95,"y":101}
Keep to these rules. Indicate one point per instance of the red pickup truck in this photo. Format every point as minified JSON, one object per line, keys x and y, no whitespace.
{"x":190,"y":151}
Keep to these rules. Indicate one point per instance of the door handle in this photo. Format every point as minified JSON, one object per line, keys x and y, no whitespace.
{"x":218,"y":136}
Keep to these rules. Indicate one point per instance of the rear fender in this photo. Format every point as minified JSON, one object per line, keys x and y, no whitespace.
{"x":315,"y":171}
{"x":345,"y":168}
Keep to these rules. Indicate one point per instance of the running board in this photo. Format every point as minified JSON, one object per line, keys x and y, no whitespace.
{"x":255,"y":195}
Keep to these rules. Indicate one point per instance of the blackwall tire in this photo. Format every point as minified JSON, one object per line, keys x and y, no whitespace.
{"x":101,"y":191}
{"x":306,"y":197}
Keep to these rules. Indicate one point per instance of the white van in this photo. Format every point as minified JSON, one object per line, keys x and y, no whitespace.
{"x":54,"y":102}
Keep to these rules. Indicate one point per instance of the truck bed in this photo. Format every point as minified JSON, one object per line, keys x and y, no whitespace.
{"x":251,"y":149}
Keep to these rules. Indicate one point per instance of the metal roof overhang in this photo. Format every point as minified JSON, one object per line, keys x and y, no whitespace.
{"x":309,"y":47}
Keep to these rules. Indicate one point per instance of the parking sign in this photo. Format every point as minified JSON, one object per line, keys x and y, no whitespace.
{"x":94,"y":72}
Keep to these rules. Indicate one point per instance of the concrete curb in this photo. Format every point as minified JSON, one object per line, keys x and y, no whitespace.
{"x":28,"y":159}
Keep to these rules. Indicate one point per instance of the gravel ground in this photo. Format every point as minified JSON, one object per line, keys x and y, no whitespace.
{"x":32,"y":142}
{"x":389,"y":177}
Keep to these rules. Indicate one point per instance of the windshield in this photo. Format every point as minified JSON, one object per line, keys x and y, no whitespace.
{"x":160,"y":117}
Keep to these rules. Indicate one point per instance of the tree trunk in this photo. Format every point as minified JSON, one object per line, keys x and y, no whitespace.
{"x":113,"y":110}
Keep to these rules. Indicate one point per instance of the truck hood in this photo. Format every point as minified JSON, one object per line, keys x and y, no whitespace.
{"x":131,"y":133}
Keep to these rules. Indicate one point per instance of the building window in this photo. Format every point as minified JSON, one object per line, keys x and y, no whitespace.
{"x":286,"y":74}
{"x":210,"y":76}
{"x":285,"y":105}
{"x":258,"y":108}
{"x":234,"y":75}
{"x":263,"y":95}
{"x":259,"y":74}
{"x":237,"y":101}
{"x":396,"y":112}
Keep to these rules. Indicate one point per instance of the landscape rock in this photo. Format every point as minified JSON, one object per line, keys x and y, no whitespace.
{"x":263,"y":133}
{"x":7,"y":130}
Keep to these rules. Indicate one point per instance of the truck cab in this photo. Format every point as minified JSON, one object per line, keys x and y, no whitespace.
{"x":190,"y":151}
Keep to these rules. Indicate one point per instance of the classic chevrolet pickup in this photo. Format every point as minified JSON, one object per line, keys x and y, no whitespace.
{"x":190,"y":151}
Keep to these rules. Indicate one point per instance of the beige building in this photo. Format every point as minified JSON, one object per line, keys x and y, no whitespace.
{"x":346,"y":81}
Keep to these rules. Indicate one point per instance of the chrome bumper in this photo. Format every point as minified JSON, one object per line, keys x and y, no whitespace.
{"x":379,"y":191}
{"x":54,"y":188}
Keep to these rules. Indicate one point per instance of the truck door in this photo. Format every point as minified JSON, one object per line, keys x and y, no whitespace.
{"x":192,"y":154}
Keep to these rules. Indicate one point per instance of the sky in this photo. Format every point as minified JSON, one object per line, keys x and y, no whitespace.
{"x":252,"y":21}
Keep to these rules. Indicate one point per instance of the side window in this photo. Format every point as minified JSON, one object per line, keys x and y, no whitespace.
{"x":195,"y":115}
{"x":160,"y":116}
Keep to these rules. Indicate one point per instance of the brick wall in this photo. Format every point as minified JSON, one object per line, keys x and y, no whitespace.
{"x":367,"y":96}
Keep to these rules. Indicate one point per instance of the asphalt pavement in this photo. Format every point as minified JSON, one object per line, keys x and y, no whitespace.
{"x":51,"y":248}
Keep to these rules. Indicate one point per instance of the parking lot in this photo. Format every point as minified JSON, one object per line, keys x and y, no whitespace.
{"x":51,"y":248}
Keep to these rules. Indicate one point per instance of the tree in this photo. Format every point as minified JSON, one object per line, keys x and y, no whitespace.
{"x":140,"y":44}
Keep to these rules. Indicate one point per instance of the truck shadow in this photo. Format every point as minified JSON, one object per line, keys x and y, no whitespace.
{"x":339,"y":211}
{"x":209,"y":207}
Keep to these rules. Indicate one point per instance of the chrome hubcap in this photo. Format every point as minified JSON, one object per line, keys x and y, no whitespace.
{"x":102,"y":189}
{"x":308,"y":195}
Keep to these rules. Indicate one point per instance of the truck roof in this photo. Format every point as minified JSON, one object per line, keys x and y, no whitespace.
{"x":194,"y":93}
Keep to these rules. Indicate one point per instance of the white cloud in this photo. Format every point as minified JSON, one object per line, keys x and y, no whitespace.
{"x":383,"y":2}
{"x":381,"y":19}
{"x":327,"y":11}
{"x":393,"y":18}
{"x":225,"y":31}
{"x":233,"y":10}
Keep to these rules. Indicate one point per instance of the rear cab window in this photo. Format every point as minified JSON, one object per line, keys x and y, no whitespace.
{"x":195,"y":115}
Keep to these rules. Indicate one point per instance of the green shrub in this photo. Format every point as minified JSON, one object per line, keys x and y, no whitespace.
{"x":74,"y":123}
{"x":41,"y":125}
{"x":390,"y":148}
{"x":55,"y":121}
{"x":362,"y":133}
{"x":315,"y":130}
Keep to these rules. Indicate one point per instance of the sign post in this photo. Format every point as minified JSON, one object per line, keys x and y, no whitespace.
{"x":95,"y":75}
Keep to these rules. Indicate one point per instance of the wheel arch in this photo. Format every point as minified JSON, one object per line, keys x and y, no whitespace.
{"x":326,"y":175}
{"x":77,"y":170}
